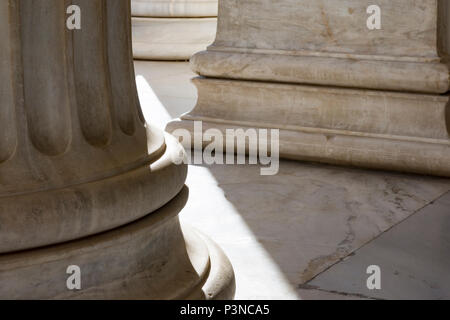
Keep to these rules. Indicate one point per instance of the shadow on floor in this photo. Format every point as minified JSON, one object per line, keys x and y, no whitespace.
{"x":310,"y":216}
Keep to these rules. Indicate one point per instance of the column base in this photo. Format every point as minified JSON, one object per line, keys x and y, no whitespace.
{"x":148,"y":259}
{"x":365,"y":128}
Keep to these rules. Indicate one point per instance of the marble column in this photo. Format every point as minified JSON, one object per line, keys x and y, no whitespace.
{"x":83,"y":180}
{"x":172,"y":29}
{"x":339,"y":91}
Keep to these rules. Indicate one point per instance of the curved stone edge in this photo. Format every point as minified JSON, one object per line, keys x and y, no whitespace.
{"x":146,"y":258}
{"x":171,"y":39}
{"x":220,"y":282}
{"x":287,"y":67}
{"x":344,"y":149}
{"x":54,"y":216}
{"x":152,"y":258}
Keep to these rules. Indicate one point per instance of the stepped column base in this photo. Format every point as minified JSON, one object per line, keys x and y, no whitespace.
{"x":365,"y":128}
{"x":339,"y":90}
{"x":148,"y":259}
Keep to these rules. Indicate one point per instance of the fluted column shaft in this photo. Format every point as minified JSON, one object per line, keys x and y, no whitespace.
{"x":70,"y":118}
{"x":84,"y":181}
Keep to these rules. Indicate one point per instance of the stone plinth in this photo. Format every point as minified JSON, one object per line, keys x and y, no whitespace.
{"x":338,"y":91}
{"x":83,"y":180}
{"x":172,"y":29}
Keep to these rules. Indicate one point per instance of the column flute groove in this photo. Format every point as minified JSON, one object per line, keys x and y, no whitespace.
{"x":8,"y":88}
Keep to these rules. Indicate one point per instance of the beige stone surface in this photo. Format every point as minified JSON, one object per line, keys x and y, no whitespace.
{"x":372,"y":129}
{"x":279,"y":231}
{"x":82,"y":174}
{"x":172,"y":29}
{"x":171,"y":38}
{"x":339,"y":92}
{"x":409,"y":28}
{"x":376,"y":113}
{"x":174,"y":8}
{"x":413,"y":257}
{"x":156,"y":80}
{"x":329,"y":43}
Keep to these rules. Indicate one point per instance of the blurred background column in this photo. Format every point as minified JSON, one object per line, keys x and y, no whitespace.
{"x":172,"y":29}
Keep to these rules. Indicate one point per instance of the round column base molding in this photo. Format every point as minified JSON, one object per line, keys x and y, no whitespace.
{"x":48,"y":217}
{"x":152,"y":258}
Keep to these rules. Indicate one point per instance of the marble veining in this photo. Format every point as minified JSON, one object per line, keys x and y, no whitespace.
{"x":297,"y":224}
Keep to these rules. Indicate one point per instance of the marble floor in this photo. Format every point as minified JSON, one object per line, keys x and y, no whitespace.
{"x":311,"y":231}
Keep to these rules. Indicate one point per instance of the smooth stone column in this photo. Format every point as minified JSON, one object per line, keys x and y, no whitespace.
{"x":83,"y":180}
{"x":172,"y":29}
{"x":339,"y":92}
